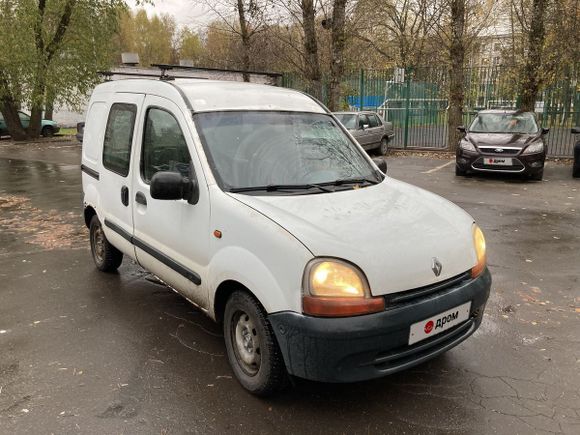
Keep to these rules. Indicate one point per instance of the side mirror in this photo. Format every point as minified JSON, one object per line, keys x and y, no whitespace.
{"x":462,"y":129}
{"x":381,"y":163}
{"x":545,"y":130}
{"x":365,"y":126}
{"x":172,"y":186}
{"x":575,"y":130}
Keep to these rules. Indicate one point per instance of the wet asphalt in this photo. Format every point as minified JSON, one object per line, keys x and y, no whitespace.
{"x":87,"y":352}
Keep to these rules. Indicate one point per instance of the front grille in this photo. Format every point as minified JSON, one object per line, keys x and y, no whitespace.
{"x":516,"y":166}
{"x":408,"y":296}
{"x":495,"y":151}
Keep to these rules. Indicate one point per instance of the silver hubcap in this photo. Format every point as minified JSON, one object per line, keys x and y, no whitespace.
{"x":246,"y":343}
{"x":99,"y":244}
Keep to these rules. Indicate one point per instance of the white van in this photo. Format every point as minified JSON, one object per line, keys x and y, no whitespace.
{"x":256,"y":205}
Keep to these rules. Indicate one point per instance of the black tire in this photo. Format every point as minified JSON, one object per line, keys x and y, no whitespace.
{"x":538,"y":176}
{"x":107,"y":258}
{"x":576,"y":172}
{"x":251,"y":346}
{"x":47,"y":131}
{"x":384,"y":147}
{"x":460,"y":172}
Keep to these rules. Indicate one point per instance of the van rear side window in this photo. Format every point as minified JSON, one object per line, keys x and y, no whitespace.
{"x":118,"y":138}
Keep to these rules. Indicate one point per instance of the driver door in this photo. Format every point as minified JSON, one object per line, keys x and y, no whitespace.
{"x":171,"y":236}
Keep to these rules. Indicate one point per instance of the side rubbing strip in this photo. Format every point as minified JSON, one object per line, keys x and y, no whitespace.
{"x":182,"y":270}
{"x":90,"y":172}
{"x":116,"y":228}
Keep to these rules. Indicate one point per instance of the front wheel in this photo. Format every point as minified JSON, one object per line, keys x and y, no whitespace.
{"x":47,"y":131}
{"x":107,"y":258}
{"x":460,"y":172}
{"x":384,"y":146}
{"x":251,"y":346}
{"x":538,"y":176}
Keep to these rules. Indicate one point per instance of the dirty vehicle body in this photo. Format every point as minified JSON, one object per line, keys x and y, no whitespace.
{"x":370,"y":131}
{"x":256,"y":205}
{"x":48,"y":128}
{"x":502,"y":141}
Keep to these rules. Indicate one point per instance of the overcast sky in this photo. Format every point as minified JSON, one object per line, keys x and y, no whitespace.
{"x":186,"y":12}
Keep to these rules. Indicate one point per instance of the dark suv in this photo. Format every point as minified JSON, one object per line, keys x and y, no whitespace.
{"x":503,"y":141}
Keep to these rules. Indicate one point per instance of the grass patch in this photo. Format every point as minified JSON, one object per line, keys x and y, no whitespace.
{"x":67,"y":131}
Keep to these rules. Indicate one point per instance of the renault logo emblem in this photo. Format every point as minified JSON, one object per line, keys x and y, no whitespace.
{"x":436,"y":266}
{"x":499,"y":150}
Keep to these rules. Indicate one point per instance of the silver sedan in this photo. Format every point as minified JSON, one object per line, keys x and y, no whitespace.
{"x":368,"y":129}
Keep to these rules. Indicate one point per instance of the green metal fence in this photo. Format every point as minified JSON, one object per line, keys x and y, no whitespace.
{"x":416,"y":101}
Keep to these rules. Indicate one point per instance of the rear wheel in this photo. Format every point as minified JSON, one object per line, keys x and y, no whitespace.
{"x":576,"y":172}
{"x":47,"y":131}
{"x":460,"y":172}
{"x":107,"y":258}
{"x":384,"y":147}
{"x":251,"y":346}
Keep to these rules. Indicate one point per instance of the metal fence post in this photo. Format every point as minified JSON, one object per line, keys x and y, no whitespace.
{"x":361,"y":86}
{"x":407,"y":106}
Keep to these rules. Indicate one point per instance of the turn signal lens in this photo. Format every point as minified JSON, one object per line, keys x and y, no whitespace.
{"x":479,"y":244}
{"x":341,"y":307}
{"x":335,"y":288}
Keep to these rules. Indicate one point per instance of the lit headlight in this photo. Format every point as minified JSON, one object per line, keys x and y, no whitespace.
{"x":479,"y":245}
{"x":467,"y":146}
{"x":536,"y":147}
{"x":333,"y":278}
{"x":335,"y":288}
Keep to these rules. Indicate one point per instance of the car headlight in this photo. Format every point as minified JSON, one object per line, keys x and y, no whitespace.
{"x":467,"y":146}
{"x":479,"y":245}
{"x":335,"y":288}
{"x":536,"y":147}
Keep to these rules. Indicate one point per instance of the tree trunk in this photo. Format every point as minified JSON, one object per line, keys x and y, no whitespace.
{"x":312,"y":63}
{"x":9,"y":111}
{"x":530,"y":76}
{"x":456,"y":73}
{"x":245,"y":40}
{"x":337,"y":60}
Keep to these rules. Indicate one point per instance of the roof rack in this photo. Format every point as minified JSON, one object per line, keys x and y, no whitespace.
{"x":166,"y":67}
{"x":163,"y":76}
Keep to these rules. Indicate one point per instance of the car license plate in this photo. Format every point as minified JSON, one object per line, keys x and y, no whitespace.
{"x":497,"y":161}
{"x":439,"y":323}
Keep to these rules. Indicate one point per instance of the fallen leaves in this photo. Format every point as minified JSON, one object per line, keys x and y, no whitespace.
{"x":50,"y":229}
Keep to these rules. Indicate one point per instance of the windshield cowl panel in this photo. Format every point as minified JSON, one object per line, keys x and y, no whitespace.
{"x":267,"y":152}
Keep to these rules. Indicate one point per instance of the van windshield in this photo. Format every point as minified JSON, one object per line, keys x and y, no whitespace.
{"x":281,"y":151}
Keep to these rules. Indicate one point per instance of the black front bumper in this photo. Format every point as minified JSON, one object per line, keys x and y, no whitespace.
{"x":374,"y":345}
{"x":529,"y":164}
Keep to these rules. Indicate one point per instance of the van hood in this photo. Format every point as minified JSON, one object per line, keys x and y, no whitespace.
{"x":391,"y":230}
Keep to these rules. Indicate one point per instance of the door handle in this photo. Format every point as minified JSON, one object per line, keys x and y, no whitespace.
{"x":140,"y":198}
{"x":125,"y":195}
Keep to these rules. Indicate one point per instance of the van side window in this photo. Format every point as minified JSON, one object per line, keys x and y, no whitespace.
{"x":164,"y":146}
{"x":118,"y":138}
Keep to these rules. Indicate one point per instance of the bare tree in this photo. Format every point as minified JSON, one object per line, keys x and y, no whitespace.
{"x":311,"y":59}
{"x":337,"y":57}
{"x":456,"y":72}
{"x":245,"y":19}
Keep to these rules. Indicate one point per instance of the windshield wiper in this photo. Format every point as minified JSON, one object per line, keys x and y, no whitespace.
{"x":344,"y":181}
{"x":277,"y":187}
